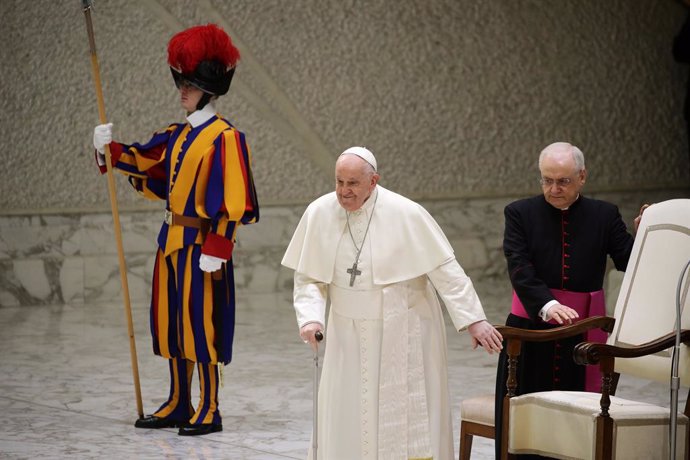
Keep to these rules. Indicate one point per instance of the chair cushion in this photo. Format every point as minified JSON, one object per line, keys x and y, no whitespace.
{"x":640,"y":430}
{"x":479,"y":409}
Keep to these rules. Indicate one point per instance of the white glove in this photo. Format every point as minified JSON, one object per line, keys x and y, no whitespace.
{"x":210,"y":263}
{"x":102,"y":135}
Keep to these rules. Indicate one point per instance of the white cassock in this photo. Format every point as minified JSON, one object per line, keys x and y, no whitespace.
{"x":384,"y":386}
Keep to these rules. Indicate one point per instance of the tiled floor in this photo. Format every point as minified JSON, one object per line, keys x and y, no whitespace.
{"x":66,"y":386}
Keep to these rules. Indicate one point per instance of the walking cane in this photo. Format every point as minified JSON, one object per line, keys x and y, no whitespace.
{"x":113,"y":206}
{"x":315,"y":430}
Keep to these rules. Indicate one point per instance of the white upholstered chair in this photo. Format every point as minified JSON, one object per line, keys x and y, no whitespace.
{"x":582,"y":425}
{"x":477,"y":413}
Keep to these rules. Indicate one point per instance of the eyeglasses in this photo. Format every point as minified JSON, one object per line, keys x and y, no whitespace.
{"x":562,"y":182}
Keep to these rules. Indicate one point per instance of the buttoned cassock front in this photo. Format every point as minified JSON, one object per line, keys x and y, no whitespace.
{"x":548,"y":248}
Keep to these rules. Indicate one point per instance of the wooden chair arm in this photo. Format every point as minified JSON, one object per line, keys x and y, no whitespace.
{"x":603,"y":322}
{"x":592,"y":353}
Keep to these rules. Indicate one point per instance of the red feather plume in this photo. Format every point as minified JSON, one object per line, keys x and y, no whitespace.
{"x":201,"y":43}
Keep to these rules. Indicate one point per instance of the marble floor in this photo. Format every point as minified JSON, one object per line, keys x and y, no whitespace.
{"x":66,"y":385}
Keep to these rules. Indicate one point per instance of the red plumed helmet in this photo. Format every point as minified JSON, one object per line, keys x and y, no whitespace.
{"x":203,"y":56}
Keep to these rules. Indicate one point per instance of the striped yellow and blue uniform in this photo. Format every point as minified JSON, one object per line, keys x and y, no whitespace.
{"x":201,"y":172}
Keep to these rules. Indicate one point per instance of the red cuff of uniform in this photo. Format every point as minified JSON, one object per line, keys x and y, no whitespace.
{"x":217,"y":246}
{"x":115,"y":153}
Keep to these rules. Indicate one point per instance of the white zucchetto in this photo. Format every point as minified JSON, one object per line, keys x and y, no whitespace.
{"x":364,"y":154}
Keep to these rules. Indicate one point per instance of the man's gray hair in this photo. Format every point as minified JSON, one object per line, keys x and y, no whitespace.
{"x":564,"y":147}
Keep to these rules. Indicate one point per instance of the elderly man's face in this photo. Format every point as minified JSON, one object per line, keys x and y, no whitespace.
{"x":561,"y":180}
{"x":354,"y":181}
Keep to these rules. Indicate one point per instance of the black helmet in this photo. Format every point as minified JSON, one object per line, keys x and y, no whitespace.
{"x":211,"y":77}
{"x":204,"y":57}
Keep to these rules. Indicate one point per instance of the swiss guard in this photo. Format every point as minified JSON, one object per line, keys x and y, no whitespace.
{"x":202,"y":170}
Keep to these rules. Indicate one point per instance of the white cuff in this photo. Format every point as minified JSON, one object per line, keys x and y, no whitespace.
{"x":545,"y":309}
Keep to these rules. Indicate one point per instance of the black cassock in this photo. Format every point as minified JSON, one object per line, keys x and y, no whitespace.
{"x":548,"y":248}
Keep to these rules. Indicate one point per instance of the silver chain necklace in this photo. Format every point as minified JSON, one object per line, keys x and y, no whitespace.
{"x":353,"y":270}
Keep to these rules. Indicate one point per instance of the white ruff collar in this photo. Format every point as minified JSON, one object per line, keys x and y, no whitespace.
{"x":200,"y":117}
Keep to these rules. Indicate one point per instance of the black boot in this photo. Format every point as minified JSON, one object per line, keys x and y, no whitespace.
{"x":197,"y":430}
{"x":151,"y":421}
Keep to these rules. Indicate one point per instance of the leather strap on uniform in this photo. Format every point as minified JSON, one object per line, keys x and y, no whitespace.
{"x":186,"y":221}
{"x":194,"y":222}
{"x":204,"y":225}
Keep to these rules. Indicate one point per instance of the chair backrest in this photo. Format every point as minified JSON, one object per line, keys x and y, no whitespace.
{"x":646,"y":306}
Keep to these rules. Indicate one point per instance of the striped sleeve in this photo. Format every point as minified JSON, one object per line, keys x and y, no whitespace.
{"x":230,"y":192}
{"x":142,"y":160}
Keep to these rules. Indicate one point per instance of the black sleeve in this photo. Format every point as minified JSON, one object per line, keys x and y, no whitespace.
{"x":620,"y":242}
{"x":530,"y":289}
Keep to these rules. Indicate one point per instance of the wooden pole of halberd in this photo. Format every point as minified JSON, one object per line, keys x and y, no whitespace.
{"x":113,"y":208}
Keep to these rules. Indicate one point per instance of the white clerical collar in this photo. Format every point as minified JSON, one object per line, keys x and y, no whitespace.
{"x":200,"y":117}
{"x":568,"y":207}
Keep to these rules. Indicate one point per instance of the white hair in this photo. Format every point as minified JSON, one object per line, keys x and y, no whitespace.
{"x":564,"y":147}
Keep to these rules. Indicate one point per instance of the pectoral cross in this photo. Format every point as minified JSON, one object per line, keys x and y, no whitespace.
{"x":353,"y":272}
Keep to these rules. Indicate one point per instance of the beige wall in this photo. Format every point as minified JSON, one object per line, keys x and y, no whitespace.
{"x":455,"y":97}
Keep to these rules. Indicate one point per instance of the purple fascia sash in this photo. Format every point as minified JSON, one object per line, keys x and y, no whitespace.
{"x":586,"y":304}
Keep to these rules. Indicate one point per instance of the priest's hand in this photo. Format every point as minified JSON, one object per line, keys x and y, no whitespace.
{"x":307,"y":333}
{"x":636,"y":222}
{"x":561,"y":314}
{"x":486,"y":335}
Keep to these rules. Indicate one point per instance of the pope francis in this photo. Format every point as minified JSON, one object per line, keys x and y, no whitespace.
{"x":379,"y":259}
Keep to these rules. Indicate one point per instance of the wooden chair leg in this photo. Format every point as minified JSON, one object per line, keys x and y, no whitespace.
{"x":467,"y":432}
{"x":465,"y":442}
